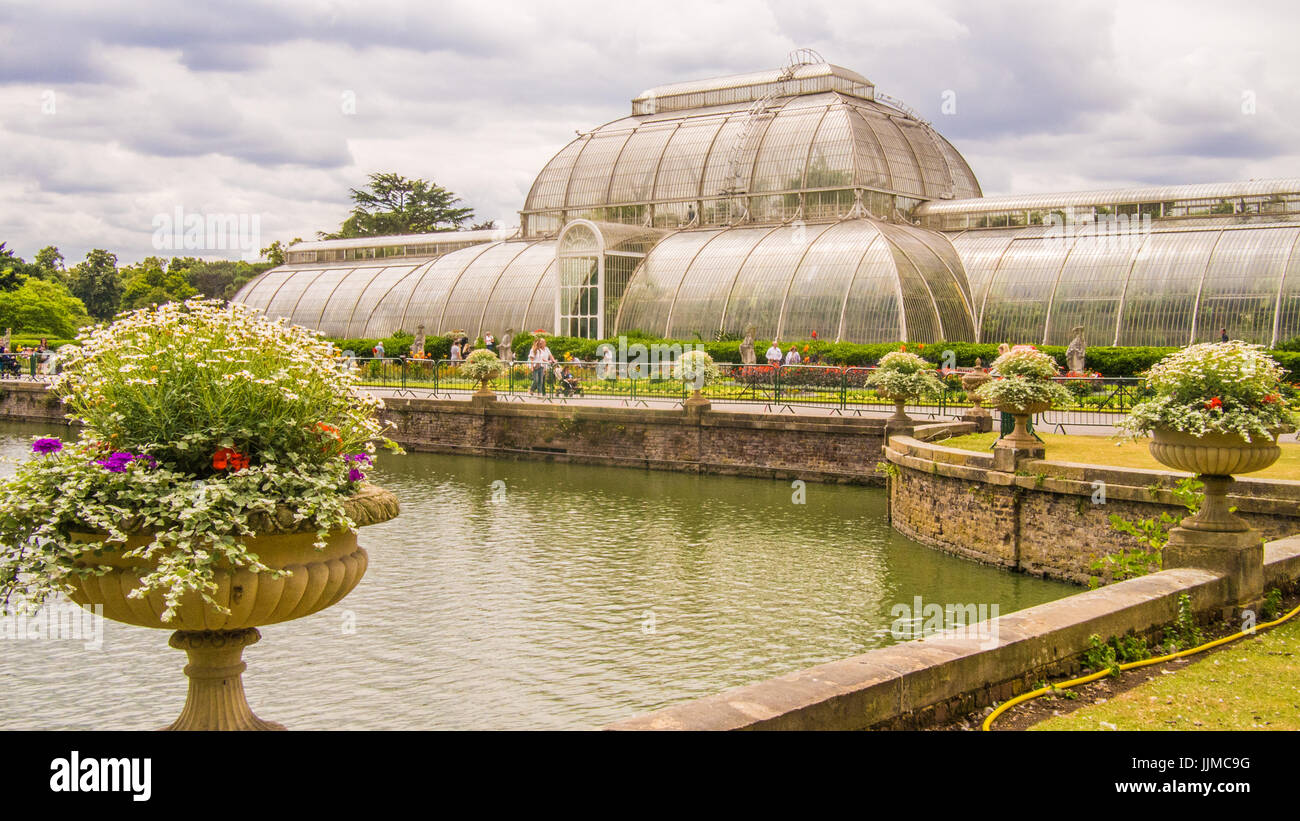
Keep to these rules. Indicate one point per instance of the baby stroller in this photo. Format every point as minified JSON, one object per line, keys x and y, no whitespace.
{"x":567,"y":382}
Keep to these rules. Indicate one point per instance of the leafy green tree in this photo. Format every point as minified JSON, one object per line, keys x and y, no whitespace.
{"x":274,"y":253}
{"x":96,"y":283}
{"x":50,"y":262}
{"x":392,"y":204}
{"x":42,"y":308}
{"x":220,"y":279}
{"x":14,"y":270}
{"x":152,"y":282}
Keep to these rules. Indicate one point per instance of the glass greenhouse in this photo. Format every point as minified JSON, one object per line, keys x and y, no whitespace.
{"x":801,"y":200}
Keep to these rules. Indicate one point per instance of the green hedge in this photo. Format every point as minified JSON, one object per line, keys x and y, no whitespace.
{"x":1110,"y":361}
{"x":18,"y":342}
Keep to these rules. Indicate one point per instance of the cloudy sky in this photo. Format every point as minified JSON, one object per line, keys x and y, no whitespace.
{"x":113,"y":113}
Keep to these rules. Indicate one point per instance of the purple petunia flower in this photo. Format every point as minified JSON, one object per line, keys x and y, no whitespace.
{"x":117,"y":462}
{"x":355,"y":475}
{"x":47,"y":446}
{"x":359,"y":457}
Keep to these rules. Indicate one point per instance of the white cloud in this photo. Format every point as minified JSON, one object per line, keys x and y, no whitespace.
{"x":159,"y":105}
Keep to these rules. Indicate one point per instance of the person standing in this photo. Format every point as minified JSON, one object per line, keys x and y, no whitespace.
{"x":490,"y":342}
{"x":773,"y":355}
{"x":539,"y":358}
{"x":792,"y":357}
{"x":455,"y":351}
{"x":378,"y":350}
{"x":1223,"y":334}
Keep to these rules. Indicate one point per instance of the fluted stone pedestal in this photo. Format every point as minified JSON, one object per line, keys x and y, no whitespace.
{"x":216,"y":700}
{"x":1218,"y":540}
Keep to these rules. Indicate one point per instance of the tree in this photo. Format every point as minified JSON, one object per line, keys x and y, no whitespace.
{"x":152,"y":282}
{"x":50,"y":261}
{"x":14,"y":270}
{"x":42,"y":308}
{"x":220,"y":279}
{"x":96,"y":283}
{"x":393,"y":204}
{"x":274,"y":253}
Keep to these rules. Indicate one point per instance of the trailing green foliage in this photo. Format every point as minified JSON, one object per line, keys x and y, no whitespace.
{"x":1152,"y":535}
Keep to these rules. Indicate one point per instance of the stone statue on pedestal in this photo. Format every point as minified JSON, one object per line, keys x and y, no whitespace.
{"x":505,"y":346}
{"x":417,"y":347}
{"x":747,"y":348}
{"x":1074,"y":355}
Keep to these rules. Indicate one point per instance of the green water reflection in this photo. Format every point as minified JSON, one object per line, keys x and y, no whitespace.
{"x":535,"y":595}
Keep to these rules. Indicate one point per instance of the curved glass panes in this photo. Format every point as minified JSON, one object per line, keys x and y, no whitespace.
{"x":489,"y":287}
{"x":856,"y":281}
{"x":1168,"y":286}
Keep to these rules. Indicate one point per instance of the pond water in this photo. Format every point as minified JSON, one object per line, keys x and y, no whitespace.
{"x":535,"y":595}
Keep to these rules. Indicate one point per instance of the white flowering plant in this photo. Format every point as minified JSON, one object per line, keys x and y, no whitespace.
{"x":1024,"y":380}
{"x":696,"y":369}
{"x":202,"y":423}
{"x":482,"y":366}
{"x":903,"y":375}
{"x":1214,"y":387}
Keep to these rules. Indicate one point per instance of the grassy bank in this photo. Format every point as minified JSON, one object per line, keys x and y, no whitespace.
{"x":1101,"y":450}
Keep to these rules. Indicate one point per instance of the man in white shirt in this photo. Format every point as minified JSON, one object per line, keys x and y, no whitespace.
{"x":793,"y":357}
{"x":774,"y":355}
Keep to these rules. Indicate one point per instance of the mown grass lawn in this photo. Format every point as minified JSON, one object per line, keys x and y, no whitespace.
{"x":1253,"y":684}
{"x":1104,"y":450}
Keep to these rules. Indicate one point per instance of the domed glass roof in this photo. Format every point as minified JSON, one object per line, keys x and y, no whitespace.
{"x":820,"y":133}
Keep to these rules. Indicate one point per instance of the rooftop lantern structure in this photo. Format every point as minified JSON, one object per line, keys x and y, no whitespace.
{"x":810,"y":141}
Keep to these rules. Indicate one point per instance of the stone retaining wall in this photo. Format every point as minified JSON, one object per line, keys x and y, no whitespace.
{"x":1045,"y":518}
{"x":827,"y":449}
{"x":29,"y":402}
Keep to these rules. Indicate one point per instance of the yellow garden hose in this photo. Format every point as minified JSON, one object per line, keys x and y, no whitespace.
{"x":1132,"y":665}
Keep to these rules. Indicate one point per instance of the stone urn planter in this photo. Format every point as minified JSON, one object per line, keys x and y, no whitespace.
{"x":696,"y":402}
{"x":1020,"y":438}
{"x":978,"y":414}
{"x":900,"y":409}
{"x":214,"y":641}
{"x":1213,"y":457}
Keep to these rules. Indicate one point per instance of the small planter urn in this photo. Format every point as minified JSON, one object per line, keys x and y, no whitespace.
{"x":978,"y":414}
{"x":484,"y":394}
{"x":900,"y":416}
{"x":697,"y":401}
{"x":215,"y":641}
{"x":1020,"y":438}
{"x":1214,"y":457}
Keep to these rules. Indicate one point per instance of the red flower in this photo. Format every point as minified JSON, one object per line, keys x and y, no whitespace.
{"x":1271,"y":398}
{"x":1215,"y":402}
{"x":229,"y":459}
{"x":814,"y":334}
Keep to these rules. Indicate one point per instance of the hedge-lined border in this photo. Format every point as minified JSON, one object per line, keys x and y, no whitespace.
{"x":1110,"y":361}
